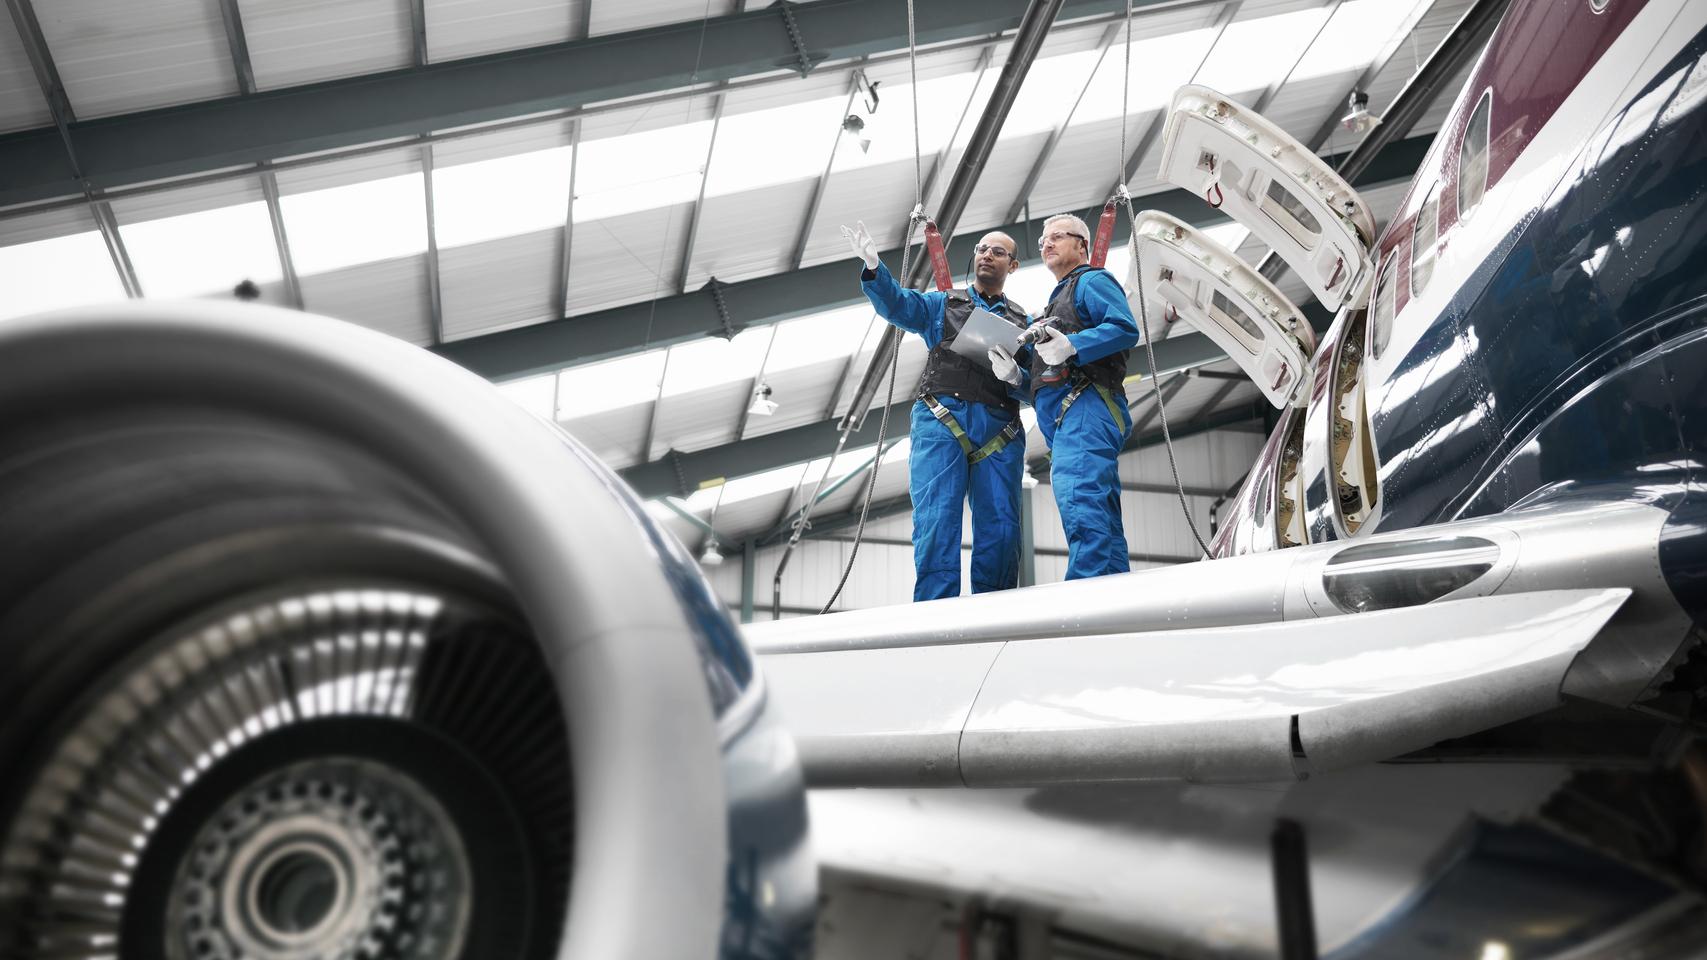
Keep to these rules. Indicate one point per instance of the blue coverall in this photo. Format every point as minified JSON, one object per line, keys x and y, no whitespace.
{"x":941,"y":477}
{"x":1084,"y":465}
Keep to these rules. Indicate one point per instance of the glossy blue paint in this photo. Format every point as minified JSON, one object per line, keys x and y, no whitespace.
{"x":1560,"y":358}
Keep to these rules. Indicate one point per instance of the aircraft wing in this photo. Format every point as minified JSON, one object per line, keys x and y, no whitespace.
{"x":1256,"y":702}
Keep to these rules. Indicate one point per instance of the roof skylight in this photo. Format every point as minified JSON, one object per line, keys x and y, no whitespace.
{"x":358,"y":223}
{"x":210,"y":251}
{"x":68,"y":271}
{"x":502,"y":197}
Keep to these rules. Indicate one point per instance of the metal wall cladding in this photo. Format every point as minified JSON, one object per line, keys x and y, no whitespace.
{"x":627,"y":259}
{"x":468,"y":28}
{"x":46,"y":225}
{"x":748,"y":234}
{"x":119,"y":58}
{"x":328,"y":174}
{"x":389,"y":296}
{"x":1083,"y":166}
{"x":879,"y":195}
{"x":22,"y":105}
{"x":614,"y":435}
{"x":498,"y":284}
{"x":294,"y":42}
{"x":701,"y":418}
{"x":608,"y":17}
{"x":999,"y":186}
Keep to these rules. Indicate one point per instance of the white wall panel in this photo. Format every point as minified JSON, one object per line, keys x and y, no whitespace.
{"x":21,"y":103}
{"x":500,"y":283}
{"x":467,"y":28}
{"x":389,"y":296}
{"x":305,"y":41}
{"x":122,"y":57}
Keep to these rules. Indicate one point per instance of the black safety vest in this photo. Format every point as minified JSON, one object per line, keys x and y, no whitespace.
{"x":947,"y":372}
{"x":1109,"y":372}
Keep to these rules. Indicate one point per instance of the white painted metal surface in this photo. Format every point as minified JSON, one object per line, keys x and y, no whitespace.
{"x":1188,"y":274}
{"x":1204,"y":705}
{"x":1266,"y":180}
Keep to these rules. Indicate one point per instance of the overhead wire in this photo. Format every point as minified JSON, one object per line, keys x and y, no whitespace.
{"x":1125,"y":198}
{"x":914,"y":219}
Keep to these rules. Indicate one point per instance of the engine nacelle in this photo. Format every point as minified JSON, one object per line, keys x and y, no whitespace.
{"x":312,"y":643}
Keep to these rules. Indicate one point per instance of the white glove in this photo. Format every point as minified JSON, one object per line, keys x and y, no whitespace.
{"x":863,"y":246}
{"x":1054,"y":348}
{"x":1005,"y":368}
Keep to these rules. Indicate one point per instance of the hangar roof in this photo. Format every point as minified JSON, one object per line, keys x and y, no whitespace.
{"x":620,"y":211}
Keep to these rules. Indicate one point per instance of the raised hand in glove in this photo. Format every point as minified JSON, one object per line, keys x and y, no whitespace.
{"x":1005,"y":368}
{"x":863,"y":246}
{"x":1054,"y":348}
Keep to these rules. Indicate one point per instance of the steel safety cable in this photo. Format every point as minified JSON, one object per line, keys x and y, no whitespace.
{"x":1156,"y":385}
{"x":914,"y":219}
{"x":1125,"y":197}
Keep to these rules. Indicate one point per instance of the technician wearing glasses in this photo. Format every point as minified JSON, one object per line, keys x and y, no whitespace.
{"x":966,"y":434}
{"x":1078,"y":375}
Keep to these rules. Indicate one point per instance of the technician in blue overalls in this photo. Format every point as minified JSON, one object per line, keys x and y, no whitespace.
{"x":966,"y":433}
{"x":1078,"y":373}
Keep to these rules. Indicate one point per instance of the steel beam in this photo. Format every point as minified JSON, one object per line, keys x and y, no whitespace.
{"x":1215,"y":399}
{"x":817,"y":201}
{"x":753,"y":389}
{"x":749,"y":560}
{"x":417,"y":29}
{"x":109,"y":228}
{"x":194,"y":138}
{"x":1461,"y":44}
{"x":1024,"y":196}
{"x":569,"y":218}
{"x":435,"y":301}
{"x":293,"y":287}
{"x":1167,"y":395}
{"x":698,"y":208}
{"x":1034,"y":27}
{"x":1270,"y":92}
{"x":239,"y":44}
{"x":657,"y":407}
{"x":1154,"y":130}
{"x":59,"y":105}
{"x":1325,"y":130}
{"x":811,"y":441}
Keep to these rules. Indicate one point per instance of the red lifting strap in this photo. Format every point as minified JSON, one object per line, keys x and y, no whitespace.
{"x":1105,"y":234}
{"x":939,"y":256}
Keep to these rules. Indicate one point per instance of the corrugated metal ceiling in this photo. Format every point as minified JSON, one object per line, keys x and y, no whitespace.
{"x":775,"y":141}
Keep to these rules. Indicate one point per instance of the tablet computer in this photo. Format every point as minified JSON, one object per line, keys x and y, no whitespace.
{"x":982,"y":331}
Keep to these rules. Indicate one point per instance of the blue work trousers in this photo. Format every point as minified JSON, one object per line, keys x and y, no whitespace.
{"x":1084,"y":471}
{"x":940,"y":482}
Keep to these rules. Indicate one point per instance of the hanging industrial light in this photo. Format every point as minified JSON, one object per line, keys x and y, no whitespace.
{"x":762,"y":405}
{"x":1359,"y":119}
{"x":710,"y":557}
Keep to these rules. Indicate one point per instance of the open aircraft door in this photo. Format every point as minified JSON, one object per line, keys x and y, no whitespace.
{"x":1189,"y":276}
{"x":1273,"y":185}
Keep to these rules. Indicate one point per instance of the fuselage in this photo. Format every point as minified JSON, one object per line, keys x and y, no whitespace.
{"x":1535,"y":322}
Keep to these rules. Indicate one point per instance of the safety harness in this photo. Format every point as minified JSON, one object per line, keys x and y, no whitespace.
{"x":973,"y":454}
{"x":1079,"y":385}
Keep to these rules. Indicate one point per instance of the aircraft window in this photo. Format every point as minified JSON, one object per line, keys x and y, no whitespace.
{"x":1381,"y":321}
{"x":1235,"y":314}
{"x":1473,"y":161}
{"x":1424,"y":232}
{"x":1285,"y":209}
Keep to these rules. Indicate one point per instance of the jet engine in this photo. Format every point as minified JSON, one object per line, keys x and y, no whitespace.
{"x":314,"y":645}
